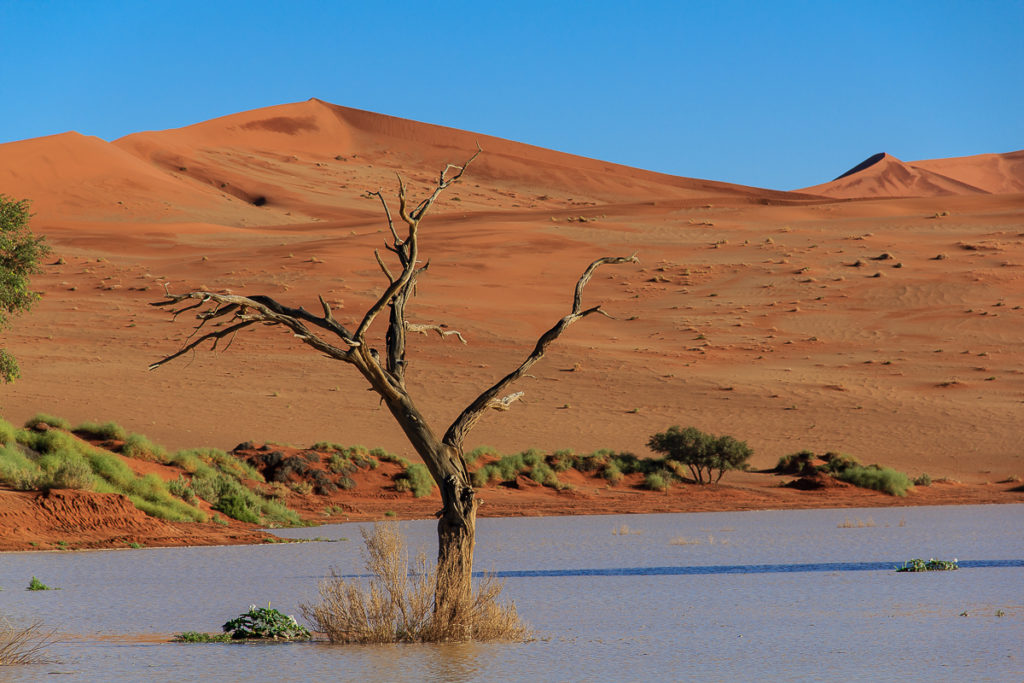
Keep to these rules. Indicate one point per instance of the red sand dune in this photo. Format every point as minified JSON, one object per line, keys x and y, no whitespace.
{"x":886,"y":328}
{"x":883,"y":175}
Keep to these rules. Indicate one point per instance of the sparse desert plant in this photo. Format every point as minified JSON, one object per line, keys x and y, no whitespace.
{"x":877,"y":478}
{"x":418,"y":480}
{"x":47,"y":419}
{"x":20,"y":253}
{"x":612,"y":473}
{"x":480,"y":452}
{"x":562,"y":461}
{"x":656,"y":482}
{"x":23,"y":645}
{"x":138,"y":446}
{"x":107,"y":430}
{"x":398,"y":603}
{"x":197,"y":637}
{"x":923,"y":479}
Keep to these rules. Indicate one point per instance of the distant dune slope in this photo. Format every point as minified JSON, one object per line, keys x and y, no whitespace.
{"x":883,"y":175}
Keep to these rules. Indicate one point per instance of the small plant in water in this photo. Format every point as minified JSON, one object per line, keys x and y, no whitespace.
{"x":264,"y":622}
{"x":932,"y":565}
{"x":37,"y":585}
{"x":197,"y":637}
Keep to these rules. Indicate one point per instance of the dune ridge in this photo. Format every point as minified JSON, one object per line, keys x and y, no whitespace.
{"x":883,"y":175}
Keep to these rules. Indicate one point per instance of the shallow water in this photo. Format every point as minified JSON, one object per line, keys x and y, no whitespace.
{"x":787,"y":595}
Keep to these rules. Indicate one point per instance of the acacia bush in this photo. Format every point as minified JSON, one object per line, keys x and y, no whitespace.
{"x":704,"y":454}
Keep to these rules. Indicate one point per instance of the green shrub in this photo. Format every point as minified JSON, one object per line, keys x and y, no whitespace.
{"x":37,"y":585}
{"x":193,"y":460}
{"x":264,"y":622}
{"x":480,"y":452}
{"x":543,"y":474}
{"x":561,"y":461}
{"x":877,"y":478}
{"x":532,"y":457}
{"x":795,"y":463}
{"x":612,"y":473}
{"x":107,"y":430}
{"x":836,"y":463}
{"x":656,"y":482}
{"x":923,"y":480}
{"x":482,"y":477}
{"x":58,"y":422}
{"x":277,"y":514}
{"x":346,"y":483}
{"x":919,"y":565}
{"x":419,"y":480}
{"x":69,"y":473}
{"x":7,"y":432}
{"x":138,"y":446}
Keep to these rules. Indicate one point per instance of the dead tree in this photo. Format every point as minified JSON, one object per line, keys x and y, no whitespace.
{"x":386,"y":375}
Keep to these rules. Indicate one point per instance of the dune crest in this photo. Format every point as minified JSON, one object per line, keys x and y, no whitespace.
{"x":883,"y":175}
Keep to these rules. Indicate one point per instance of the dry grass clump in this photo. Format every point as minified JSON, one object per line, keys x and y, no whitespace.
{"x":398,"y":604}
{"x":23,"y":645}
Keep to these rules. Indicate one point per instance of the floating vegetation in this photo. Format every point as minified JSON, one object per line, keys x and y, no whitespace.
{"x":932,"y":565}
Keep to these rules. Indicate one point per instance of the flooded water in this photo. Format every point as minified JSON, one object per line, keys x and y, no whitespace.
{"x":786,"y":595}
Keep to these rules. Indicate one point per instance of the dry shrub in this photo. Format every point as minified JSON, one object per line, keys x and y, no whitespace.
{"x":23,"y":645}
{"x":398,"y":604}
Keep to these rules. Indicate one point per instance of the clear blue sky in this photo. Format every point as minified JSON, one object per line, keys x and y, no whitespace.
{"x":773,"y":94}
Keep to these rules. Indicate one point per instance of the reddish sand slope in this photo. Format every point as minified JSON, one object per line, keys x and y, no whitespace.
{"x":883,"y":175}
{"x":888,"y":328}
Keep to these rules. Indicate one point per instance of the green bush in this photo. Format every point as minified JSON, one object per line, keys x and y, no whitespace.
{"x":480,"y":452}
{"x":795,"y":463}
{"x":877,"y":478}
{"x":655,"y":481}
{"x":612,"y":473}
{"x":543,"y":474}
{"x":923,"y":480}
{"x":417,"y":479}
{"x":561,"y":461}
{"x":58,"y":422}
{"x":7,"y":432}
{"x":835,"y":463}
{"x":37,"y":585}
{"x":138,"y":446}
{"x":107,"y":430}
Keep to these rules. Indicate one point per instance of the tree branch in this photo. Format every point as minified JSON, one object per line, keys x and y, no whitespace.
{"x":456,"y":433}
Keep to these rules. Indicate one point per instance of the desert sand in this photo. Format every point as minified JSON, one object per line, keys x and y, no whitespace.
{"x":878,"y":314}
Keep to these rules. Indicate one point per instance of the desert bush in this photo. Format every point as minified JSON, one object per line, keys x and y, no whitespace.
{"x":655,"y":481}
{"x":704,"y":454}
{"x":420,"y":481}
{"x":182,"y":488}
{"x":7,"y":432}
{"x":398,"y":603}
{"x":795,"y":463}
{"x":107,"y":430}
{"x":480,"y":452}
{"x":837,"y":462}
{"x":932,"y":565}
{"x":923,"y":479}
{"x":192,"y":461}
{"x":69,"y":473}
{"x":138,"y":446}
{"x":877,"y":478}
{"x":532,"y":457}
{"x":612,"y":473}
{"x":23,"y":645}
{"x":561,"y":461}
{"x":52,"y":421}
{"x":594,"y":462}
{"x":543,"y":474}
